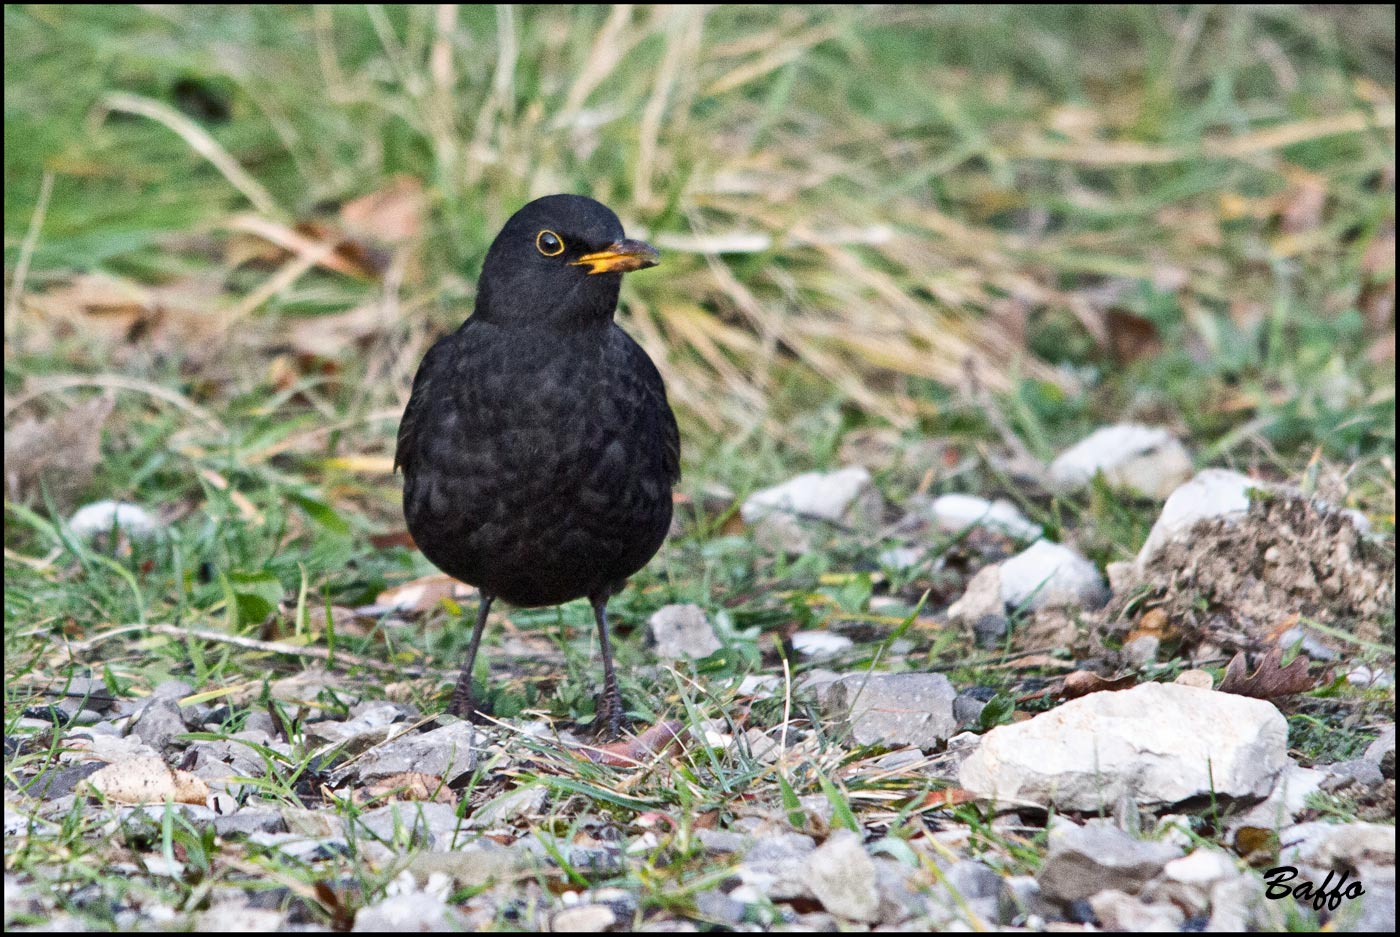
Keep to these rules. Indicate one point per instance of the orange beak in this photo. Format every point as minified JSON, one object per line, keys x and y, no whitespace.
{"x":620,"y":257}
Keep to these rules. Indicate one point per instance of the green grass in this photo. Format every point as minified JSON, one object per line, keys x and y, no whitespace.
{"x":1178,"y":216}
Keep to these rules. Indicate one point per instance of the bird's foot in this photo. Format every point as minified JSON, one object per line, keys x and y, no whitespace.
{"x":466,"y":706}
{"x":609,"y":716}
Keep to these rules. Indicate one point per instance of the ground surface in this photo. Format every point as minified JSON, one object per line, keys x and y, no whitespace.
{"x":938,"y":247}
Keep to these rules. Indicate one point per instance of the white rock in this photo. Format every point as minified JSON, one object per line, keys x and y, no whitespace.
{"x":1288,"y":799}
{"x":1338,"y":845}
{"x":93,"y":520}
{"x":842,"y":877}
{"x":1157,"y":744}
{"x":1145,"y":460}
{"x":1049,"y":575}
{"x":954,"y":513}
{"x":820,"y":644}
{"x":819,"y":495}
{"x":982,"y":597}
{"x":1212,"y":493}
{"x":683,"y":631}
{"x":1123,"y":913}
{"x":900,"y":558}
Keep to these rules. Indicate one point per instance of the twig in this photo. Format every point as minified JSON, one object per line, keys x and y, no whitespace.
{"x":26,"y":249}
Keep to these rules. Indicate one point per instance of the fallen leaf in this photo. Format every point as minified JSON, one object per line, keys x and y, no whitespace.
{"x":1131,"y":337}
{"x":1082,"y":683}
{"x":59,"y":452}
{"x":423,"y":595}
{"x":148,"y":780}
{"x":1271,"y":680}
{"x":948,"y":797}
{"x":394,"y":538}
{"x":634,"y":752}
{"x":410,"y":785}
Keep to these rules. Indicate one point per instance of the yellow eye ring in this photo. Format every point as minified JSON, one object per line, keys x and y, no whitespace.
{"x":549,"y":243}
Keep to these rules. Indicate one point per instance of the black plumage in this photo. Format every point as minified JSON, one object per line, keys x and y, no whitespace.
{"x":538,"y":448}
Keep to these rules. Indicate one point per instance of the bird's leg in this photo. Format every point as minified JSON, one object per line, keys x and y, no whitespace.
{"x":464,"y":703}
{"x":607,"y":720}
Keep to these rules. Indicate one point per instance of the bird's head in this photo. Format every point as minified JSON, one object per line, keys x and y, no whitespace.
{"x":558,"y":262}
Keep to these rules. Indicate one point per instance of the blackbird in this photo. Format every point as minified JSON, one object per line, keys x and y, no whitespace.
{"x":538,"y":449}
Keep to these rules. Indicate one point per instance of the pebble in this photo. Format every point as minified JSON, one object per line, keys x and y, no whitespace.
{"x":955,"y":513}
{"x":841,"y":876}
{"x":683,"y":632}
{"x":819,"y":645}
{"x":1084,"y":860}
{"x":1147,"y":461}
{"x":1049,"y":575}
{"x":98,"y":518}
{"x":896,"y":709}
{"x":446,"y":752}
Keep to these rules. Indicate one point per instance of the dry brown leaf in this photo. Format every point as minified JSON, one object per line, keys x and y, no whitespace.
{"x":655,"y":742}
{"x":948,"y":797}
{"x":410,"y":785}
{"x":1131,"y":337}
{"x":59,"y":452}
{"x":423,"y":595}
{"x":148,"y":780}
{"x":1270,"y":680}
{"x":1082,"y":683}
{"x":393,"y":538}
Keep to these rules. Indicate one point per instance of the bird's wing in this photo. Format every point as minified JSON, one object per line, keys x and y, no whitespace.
{"x":418,"y":402}
{"x":655,"y":389}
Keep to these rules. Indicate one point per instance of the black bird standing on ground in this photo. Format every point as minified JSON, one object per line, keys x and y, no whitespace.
{"x":538,"y":449}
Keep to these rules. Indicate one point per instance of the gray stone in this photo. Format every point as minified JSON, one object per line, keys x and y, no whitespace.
{"x":412,"y":822}
{"x":723,"y":841}
{"x":1358,"y":775}
{"x":989,"y":630}
{"x":683,"y":632}
{"x":471,"y":867}
{"x":248,"y":821}
{"x":967,"y":710}
{"x":446,"y":752}
{"x":900,"y":895}
{"x":520,"y":803}
{"x":1084,"y":860}
{"x":1381,"y":752}
{"x":1147,"y":461}
{"x":841,"y":876}
{"x":897,"y":709}
{"x":172,"y":689}
{"x":1156,"y":744}
{"x":1049,"y":575}
{"x":718,"y":907}
{"x":160,"y":721}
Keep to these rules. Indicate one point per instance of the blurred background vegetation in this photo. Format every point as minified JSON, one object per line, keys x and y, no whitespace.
{"x":243,"y":227}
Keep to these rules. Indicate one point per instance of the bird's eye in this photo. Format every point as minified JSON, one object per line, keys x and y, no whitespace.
{"x":549,"y":243}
